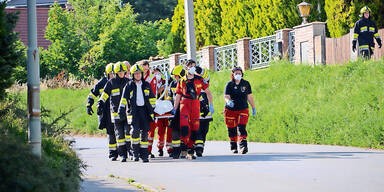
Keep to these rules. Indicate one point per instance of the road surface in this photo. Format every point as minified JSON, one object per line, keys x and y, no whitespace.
{"x":267,"y":167}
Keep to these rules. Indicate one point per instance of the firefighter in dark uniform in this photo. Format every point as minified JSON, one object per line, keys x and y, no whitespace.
{"x":365,"y":32}
{"x":139,"y":95}
{"x":178,"y":73}
{"x":187,"y":92}
{"x":113,"y":90}
{"x":237,"y":95}
{"x":205,"y":115}
{"x":105,"y":117}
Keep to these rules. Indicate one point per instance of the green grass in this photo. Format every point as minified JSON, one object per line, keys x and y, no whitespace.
{"x":336,"y":105}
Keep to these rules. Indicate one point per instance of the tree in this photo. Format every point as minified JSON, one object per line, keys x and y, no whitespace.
{"x":153,"y":10}
{"x":10,"y":52}
{"x":208,"y":22}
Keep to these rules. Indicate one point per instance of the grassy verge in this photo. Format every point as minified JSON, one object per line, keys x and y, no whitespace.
{"x":336,"y":105}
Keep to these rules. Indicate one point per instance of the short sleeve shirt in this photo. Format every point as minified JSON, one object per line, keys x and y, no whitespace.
{"x":238,"y":94}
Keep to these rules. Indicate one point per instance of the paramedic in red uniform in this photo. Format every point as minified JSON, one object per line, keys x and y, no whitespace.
{"x":237,"y":95}
{"x":187,"y":95}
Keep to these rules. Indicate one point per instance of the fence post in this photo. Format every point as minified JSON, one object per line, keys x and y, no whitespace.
{"x":174,"y":60}
{"x":208,"y":54}
{"x":282,"y":40}
{"x":243,"y":53}
{"x":305,"y":41}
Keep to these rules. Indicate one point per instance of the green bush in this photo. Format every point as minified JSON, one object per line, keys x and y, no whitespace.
{"x":59,"y":168}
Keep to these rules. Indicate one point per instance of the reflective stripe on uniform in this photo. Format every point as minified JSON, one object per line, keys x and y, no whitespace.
{"x":144,"y":144}
{"x":123,"y":102}
{"x":112,"y":146}
{"x":363,"y":29}
{"x":364,"y":47}
{"x":152,"y":101}
{"x":355,"y":36}
{"x":120,"y":142}
{"x":91,"y":96}
{"x":104,"y":97}
{"x":127,"y":138}
{"x":115,"y":116}
{"x":372,"y":29}
{"x":101,"y":90}
{"x":176,"y":143}
{"x":377,"y":35}
{"x":135,"y":140}
{"x":115,"y":92}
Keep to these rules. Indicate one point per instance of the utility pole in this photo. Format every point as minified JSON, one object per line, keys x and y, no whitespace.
{"x":33,"y":69}
{"x":190,"y":30}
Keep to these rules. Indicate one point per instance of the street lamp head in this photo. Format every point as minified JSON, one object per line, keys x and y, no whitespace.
{"x":304,"y":9}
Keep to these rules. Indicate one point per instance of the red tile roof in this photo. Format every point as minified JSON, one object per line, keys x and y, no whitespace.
{"x":22,"y":25}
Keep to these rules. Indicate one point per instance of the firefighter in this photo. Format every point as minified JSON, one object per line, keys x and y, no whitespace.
{"x":187,"y":92}
{"x":178,"y":73}
{"x":237,"y":95}
{"x":105,"y":117}
{"x":139,"y":95}
{"x":157,"y":84}
{"x":365,"y":32}
{"x":113,"y":90}
{"x":128,"y":74}
{"x":205,"y":115}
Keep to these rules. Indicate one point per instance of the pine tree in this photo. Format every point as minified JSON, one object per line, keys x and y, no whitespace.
{"x":208,"y":22}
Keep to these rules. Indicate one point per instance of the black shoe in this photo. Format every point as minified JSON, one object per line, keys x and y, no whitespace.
{"x":152,"y":156}
{"x":136,"y":159}
{"x":234,"y":147}
{"x":199,"y":151}
{"x":145,"y":160}
{"x":161,"y":153}
{"x":175,"y":153}
{"x":243,"y":146}
{"x":183,"y":154}
{"x":114,"y":159}
{"x":124,"y":159}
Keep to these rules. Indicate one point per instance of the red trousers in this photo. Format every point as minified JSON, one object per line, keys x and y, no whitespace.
{"x":162,"y":127}
{"x":189,"y":118}
{"x":236,"y":120}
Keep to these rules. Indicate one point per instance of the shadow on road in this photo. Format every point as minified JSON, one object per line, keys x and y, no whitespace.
{"x":102,"y":185}
{"x":273,"y":157}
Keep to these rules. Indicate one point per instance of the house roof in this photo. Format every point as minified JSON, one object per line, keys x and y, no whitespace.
{"x":23,"y":3}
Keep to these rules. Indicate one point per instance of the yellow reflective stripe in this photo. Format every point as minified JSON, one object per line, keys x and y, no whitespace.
{"x":130,"y":93}
{"x":135,"y":139}
{"x":176,"y":142}
{"x":104,"y":96}
{"x":144,"y":143}
{"x":129,"y":116}
{"x":115,"y":114}
{"x":146,"y":91}
{"x":377,"y":35}
{"x":115,"y":90}
{"x":92,"y":95}
{"x":101,"y":90}
{"x":355,"y":35}
{"x":121,"y":140}
{"x":124,"y":101}
{"x":113,"y":145}
{"x":127,"y":136}
{"x":362,"y":29}
{"x":364,"y":46}
{"x":173,"y":89}
{"x":198,"y":141}
{"x":372,"y":29}
{"x":152,"y":101}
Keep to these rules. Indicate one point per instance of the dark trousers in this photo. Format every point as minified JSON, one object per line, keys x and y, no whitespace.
{"x":140,"y":133}
{"x":120,"y":135}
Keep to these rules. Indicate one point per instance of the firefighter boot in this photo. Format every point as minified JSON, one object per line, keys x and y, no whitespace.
{"x":176,"y":152}
{"x":183,"y":153}
{"x":161,"y":153}
{"x":144,"y":154}
{"x":243,"y":146}
{"x":113,"y":155}
{"x":129,"y":150}
{"x":136,"y":151}
{"x":234,"y":147}
{"x":123,"y":152}
{"x":191,"y":155}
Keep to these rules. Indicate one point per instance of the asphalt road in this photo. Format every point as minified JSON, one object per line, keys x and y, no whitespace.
{"x":267,"y":167}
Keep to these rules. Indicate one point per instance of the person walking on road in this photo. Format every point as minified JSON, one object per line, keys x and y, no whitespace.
{"x":237,"y":95}
{"x":105,"y":117}
{"x":187,"y":92}
{"x":113,"y":90}
{"x":139,"y":95}
{"x":365,"y":32}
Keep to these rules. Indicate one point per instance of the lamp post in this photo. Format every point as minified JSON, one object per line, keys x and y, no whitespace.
{"x":190,"y":29}
{"x":304,"y":9}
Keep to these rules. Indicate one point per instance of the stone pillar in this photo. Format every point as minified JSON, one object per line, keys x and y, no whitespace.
{"x":282,"y":39}
{"x":208,"y":54}
{"x":305,"y":41}
{"x":243,"y":57}
{"x":319,"y":50}
{"x":174,"y":60}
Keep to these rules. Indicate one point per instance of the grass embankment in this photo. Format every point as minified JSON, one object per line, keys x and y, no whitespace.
{"x":337,"y":105}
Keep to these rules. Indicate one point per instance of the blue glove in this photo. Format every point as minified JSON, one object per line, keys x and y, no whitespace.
{"x":230,"y":103}
{"x":253,"y":111}
{"x":211,"y":109}
{"x":173,"y":112}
